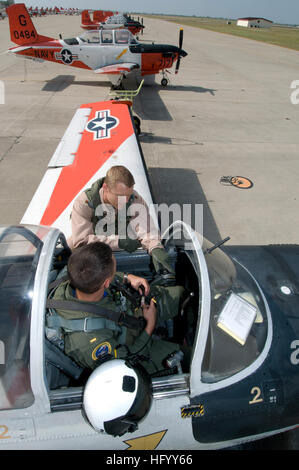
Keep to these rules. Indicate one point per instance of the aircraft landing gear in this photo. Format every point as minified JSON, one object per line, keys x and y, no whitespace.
{"x":117,"y":87}
{"x":119,"y":84}
{"x":137,"y":123}
{"x":165,"y":80}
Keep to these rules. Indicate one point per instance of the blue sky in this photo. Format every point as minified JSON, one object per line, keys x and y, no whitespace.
{"x":279,"y":11}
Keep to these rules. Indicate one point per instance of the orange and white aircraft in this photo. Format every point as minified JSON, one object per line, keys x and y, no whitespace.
{"x":114,"y":53}
{"x":99,"y":16}
{"x":104,"y":20}
{"x":88,"y":23}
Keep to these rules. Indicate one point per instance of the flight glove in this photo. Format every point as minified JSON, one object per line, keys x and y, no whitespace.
{"x":161,"y":260}
{"x":129,"y":244}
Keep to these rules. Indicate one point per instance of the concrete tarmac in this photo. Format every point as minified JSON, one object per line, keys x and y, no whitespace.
{"x":228,"y":112}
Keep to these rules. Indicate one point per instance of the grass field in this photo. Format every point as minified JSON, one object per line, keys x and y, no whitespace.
{"x":277,"y":35}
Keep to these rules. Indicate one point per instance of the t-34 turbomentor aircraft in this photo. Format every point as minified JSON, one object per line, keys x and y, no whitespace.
{"x":114,"y":53}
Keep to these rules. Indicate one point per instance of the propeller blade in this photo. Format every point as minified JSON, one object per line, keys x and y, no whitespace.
{"x":178,"y":64}
{"x":180,"y":49}
{"x":181,"y":38}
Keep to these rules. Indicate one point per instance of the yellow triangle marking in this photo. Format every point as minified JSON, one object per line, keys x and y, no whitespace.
{"x":149,"y":442}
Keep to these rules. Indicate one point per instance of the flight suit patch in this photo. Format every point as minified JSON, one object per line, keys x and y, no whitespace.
{"x":101,"y":350}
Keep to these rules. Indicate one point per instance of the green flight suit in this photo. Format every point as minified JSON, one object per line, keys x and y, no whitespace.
{"x":88,"y":347}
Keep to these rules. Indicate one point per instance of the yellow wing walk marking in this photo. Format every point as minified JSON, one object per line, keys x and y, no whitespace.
{"x":121,"y":54}
{"x":149,"y":442}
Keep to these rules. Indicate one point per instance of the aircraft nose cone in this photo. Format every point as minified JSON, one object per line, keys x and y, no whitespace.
{"x":183,"y":53}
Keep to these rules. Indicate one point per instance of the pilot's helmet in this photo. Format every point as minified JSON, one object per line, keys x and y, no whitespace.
{"x":116,"y":397}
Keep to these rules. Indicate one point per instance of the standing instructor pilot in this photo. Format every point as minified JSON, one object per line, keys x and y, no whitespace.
{"x":97,"y":211}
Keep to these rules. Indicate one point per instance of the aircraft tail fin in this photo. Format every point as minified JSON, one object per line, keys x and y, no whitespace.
{"x":98,"y":16}
{"x":22,"y":30}
{"x":85,"y":17}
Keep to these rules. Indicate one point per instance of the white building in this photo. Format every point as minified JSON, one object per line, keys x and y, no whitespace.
{"x":251,"y":22}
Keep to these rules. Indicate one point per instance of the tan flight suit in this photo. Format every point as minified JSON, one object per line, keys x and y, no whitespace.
{"x":85,"y":226}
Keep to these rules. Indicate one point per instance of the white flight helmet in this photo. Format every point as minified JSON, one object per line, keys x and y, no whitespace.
{"x":116,"y":397}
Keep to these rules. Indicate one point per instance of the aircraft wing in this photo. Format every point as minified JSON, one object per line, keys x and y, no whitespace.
{"x":99,"y":136}
{"x":19,"y":48}
{"x":114,"y":69}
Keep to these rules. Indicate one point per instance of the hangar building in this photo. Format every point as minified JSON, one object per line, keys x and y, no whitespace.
{"x":252,"y":22}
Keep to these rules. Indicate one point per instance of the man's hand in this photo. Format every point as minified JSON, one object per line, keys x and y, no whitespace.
{"x":150,"y":315}
{"x":129,"y":244}
{"x":137,"y":281}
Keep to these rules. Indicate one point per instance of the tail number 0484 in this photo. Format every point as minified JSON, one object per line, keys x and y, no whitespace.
{"x":24,"y":34}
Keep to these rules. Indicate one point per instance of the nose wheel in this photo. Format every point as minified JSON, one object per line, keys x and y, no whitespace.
{"x":165,"y":80}
{"x":137,"y":123}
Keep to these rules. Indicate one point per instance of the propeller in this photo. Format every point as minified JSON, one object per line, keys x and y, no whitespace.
{"x":180,"y":50}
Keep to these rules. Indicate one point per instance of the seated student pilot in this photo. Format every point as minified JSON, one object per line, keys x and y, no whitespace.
{"x":91,"y":273}
{"x":97,"y":211}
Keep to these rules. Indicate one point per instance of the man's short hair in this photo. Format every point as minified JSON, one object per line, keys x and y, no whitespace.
{"x":119,"y":174}
{"x":89,"y":266}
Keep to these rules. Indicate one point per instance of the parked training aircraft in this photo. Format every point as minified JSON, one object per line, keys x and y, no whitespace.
{"x":116,"y":21}
{"x":99,"y":16}
{"x":111,"y":52}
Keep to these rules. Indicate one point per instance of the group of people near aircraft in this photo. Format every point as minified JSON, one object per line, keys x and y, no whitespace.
{"x":92,"y":278}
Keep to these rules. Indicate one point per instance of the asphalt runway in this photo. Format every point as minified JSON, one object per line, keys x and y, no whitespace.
{"x":228,"y":112}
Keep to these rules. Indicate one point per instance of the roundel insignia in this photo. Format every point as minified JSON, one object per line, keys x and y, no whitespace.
{"x":102,"y":124}
{"x":66,"y":56}
{"x":101,"y":350}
